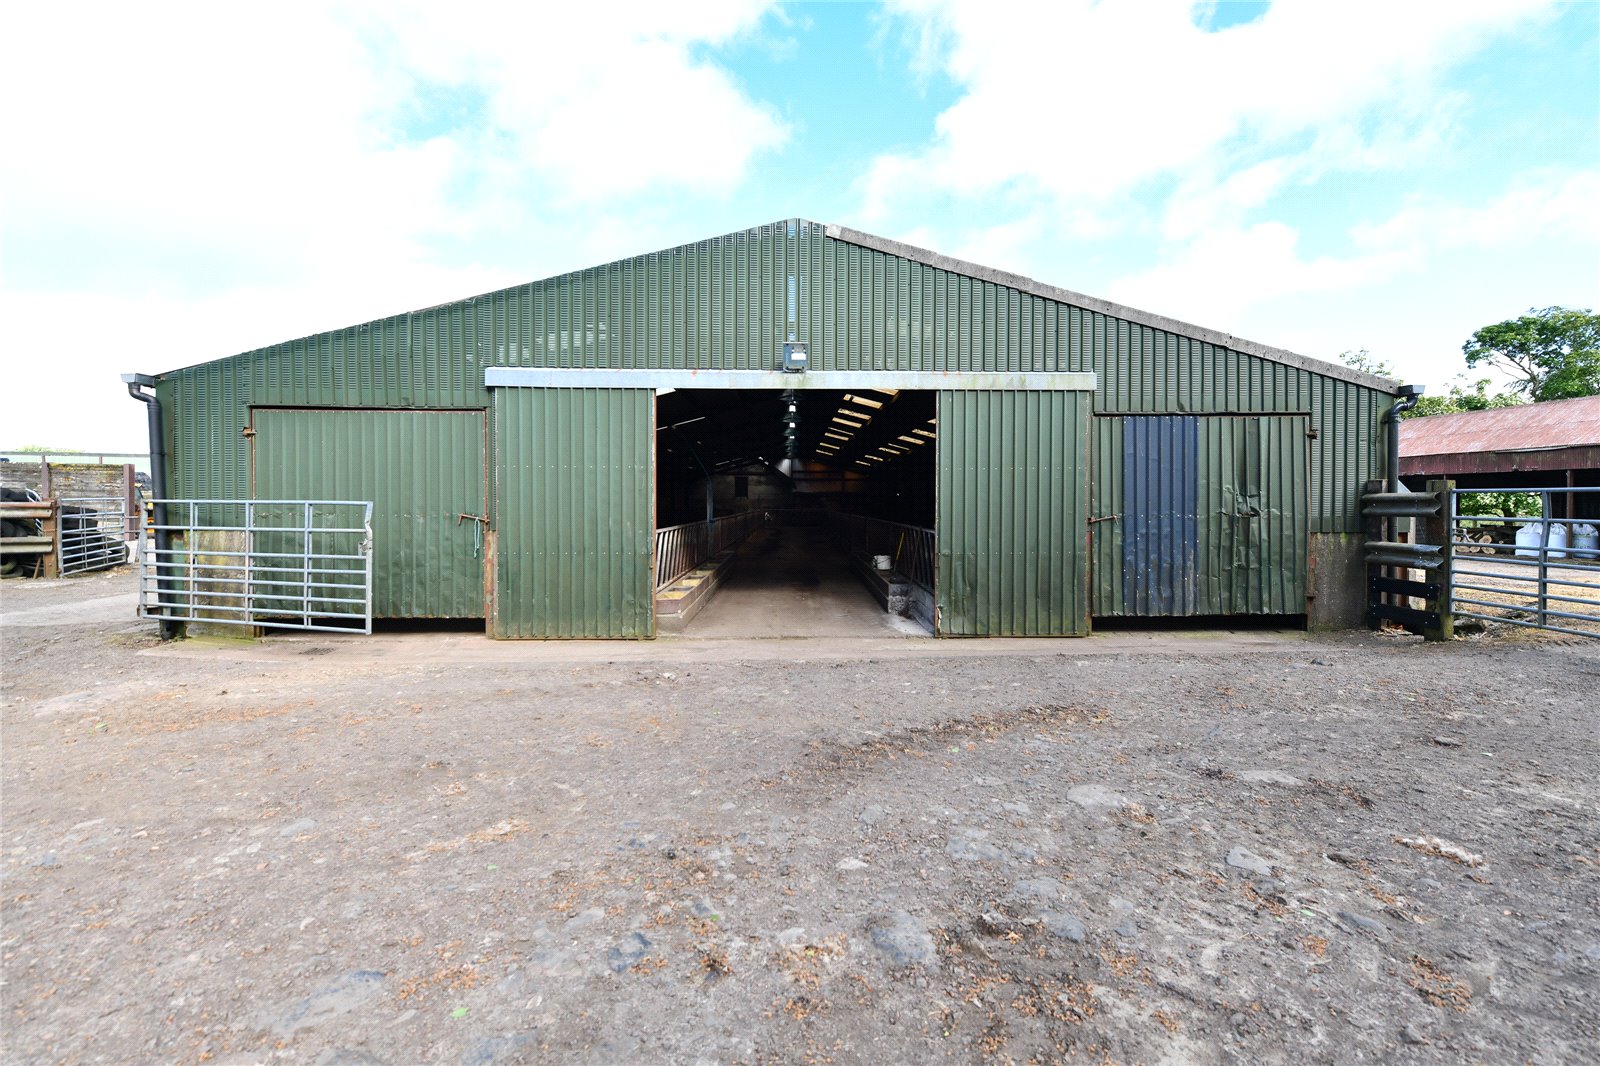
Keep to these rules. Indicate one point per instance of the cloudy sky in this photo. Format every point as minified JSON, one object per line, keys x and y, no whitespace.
{"x":181,"y":182}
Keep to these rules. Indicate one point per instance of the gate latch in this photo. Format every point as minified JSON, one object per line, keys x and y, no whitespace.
{"x":478,"y":522}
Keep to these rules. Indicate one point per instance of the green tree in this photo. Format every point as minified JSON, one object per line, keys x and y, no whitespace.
{"x":1462,"y":396}
{"x":1368,"y":363}
{"x":1552,"y":354}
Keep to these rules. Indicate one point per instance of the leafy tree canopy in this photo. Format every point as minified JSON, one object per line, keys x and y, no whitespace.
{"x":1552,"y":354}
{"x":1462,"y":396}
{"x":1366,"y":362}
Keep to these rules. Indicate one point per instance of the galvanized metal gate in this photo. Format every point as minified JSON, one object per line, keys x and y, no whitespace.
{"x":1533,"y":572}
{"x":93,"y":533}
{"x":289,"y":564}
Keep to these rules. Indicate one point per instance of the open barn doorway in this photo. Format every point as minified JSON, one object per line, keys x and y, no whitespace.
{"x":804,"y":512}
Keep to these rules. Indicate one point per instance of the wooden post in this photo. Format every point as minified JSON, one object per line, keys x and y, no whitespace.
{"x":44,"y":477}
{"x":130,"y":504}
{"x":51,"y":527}
{"x":1438,"y":528}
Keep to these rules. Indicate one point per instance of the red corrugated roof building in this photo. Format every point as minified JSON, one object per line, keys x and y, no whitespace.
{"x":1541,"y":445}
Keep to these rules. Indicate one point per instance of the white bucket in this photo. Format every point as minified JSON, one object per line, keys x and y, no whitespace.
{"x":881,"y":562}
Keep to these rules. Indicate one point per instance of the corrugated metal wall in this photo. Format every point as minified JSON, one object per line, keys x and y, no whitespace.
{"x":1228,"y":492}
{"x":421,"y":469}
{"x":1141,"y":370}
{"x":574,"y":507}
{"x":725,"y":303}
{"x":1105,"y":527}
{"x":1252,"y":513}
{"x":729,"y":302}
{"x":1012,"y":512}
{"x":1160,"y":536}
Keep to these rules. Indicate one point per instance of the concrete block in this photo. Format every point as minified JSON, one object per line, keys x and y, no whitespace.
{"x":1338,"y":581}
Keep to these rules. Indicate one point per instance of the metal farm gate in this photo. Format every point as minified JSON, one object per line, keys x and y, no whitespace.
{"x":1534,"y":572}
{"x":93,"y":533}
{"x":289,"y":564}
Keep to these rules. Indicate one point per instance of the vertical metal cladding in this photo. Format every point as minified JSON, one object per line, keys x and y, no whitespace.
{"x":1143,"y":370}
{"x":1160,"y":536}
{"x":1252,"y":512}
{"x":1212,"y":515}
{"x":1105,"y":522}
{"x":729,"y":303}
{"x":420,"y":469}
{"x":1012,"y":513}
{"x":575,"y":512}
{"x":869,"y":310}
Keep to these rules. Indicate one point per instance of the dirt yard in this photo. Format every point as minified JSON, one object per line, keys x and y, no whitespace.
{"x":1176,"y":848}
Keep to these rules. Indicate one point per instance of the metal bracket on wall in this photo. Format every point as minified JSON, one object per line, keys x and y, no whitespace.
{"x":478,"y":523}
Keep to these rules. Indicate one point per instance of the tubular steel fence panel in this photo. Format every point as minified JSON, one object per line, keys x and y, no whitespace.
{"x":679,"y":549}
{"x":93,"y":533}
{"x":911,"y":549}
{"x":290,"y":564}
{"x":1540,"y":573}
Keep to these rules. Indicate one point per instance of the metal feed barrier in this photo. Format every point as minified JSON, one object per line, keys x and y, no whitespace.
{"x":291,"y":564}
{"x":93,"y":534}
{"x":910,"y":549}
{"x":1546,"y":575}
{"x":679,"y":549}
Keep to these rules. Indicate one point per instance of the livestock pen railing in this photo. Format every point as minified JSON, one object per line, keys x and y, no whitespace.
{"x":292,"y":564}
{"x":910,"y":550}
{"x":679,"y":549}
{"x":1537,"y":572}
{"x":93,"y":533}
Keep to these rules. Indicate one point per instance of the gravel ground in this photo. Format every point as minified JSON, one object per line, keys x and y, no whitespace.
{"x":1178,"y":848}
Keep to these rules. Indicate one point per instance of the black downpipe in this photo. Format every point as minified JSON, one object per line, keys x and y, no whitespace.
{"x":1405,"y":401}
{"x":158,"y":482}
{"x":1409,"y":395}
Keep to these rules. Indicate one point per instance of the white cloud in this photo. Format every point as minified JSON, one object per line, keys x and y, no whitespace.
{"x":1080,"y":102}
{"x":1221,"y":275}
{"x":301,"y":137}
{"x":1215,"y":278}
{"x":600,"y":100}
{"x":186,"y":180}
{"x":1534,"y":208}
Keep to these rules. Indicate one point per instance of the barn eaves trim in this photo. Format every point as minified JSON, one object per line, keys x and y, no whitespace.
{"x":1028,"y":285}
{"x":835,"y":380}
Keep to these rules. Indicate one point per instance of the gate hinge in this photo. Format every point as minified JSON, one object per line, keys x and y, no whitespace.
{"x":1312,"y":433}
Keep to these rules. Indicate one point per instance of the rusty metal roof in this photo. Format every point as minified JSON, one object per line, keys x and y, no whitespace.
{"x":1531,"y":427}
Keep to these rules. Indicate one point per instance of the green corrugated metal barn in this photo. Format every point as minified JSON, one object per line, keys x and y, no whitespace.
{"x":1087,"y":460}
